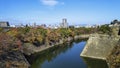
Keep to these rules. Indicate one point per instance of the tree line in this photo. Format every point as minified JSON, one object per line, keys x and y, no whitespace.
{"x":14,"y":37}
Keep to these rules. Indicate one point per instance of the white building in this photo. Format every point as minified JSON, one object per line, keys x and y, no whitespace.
{"x":4,"y":24}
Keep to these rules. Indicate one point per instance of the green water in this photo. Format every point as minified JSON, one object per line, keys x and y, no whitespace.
{"x":65,"y":56}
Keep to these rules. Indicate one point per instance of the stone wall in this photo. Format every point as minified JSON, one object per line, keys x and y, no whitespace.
{"x":115,"y":30}
{"x":99,"y":46}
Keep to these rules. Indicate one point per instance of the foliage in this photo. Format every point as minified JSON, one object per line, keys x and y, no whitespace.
{"x":114,"y":21}
{"x":42,"y":31}
{"x":65,"y":32}
{"x":105,"y":29}
{"x":24,"y":30}
{"x":114,"y":57}
{"x":1,"y":29}
{"x":8,"y":43}
{"x":13,"y":32}
{"x":40,"y":35}
{"x":53,"y":36}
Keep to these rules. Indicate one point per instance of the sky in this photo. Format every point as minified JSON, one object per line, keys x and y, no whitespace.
{"x":53,"y":11}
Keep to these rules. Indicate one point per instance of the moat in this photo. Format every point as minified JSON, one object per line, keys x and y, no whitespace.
{"x":65,"y":56}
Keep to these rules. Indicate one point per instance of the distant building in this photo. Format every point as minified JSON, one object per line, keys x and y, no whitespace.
{"x":4,"y":24}
{"x":64,"y":23}
{"x":34,"y":24}
{"x":53,"y":26}
{"x":12,"y":25}
{"x":43,"y":25}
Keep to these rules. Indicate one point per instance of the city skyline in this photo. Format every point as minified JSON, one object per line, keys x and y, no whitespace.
{"x":53,"y":11}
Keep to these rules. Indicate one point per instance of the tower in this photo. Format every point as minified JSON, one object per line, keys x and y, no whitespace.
{"x":64,"y":23}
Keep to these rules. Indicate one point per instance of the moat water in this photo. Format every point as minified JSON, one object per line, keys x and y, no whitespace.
{"x":65,"y":56}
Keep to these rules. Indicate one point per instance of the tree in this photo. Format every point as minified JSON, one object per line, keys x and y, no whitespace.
{"x":53,"y":36}
{"x":114,"y":21}
{"x":105,"y":29}
{"x":7,"y":43}
{"x":13,"y":32}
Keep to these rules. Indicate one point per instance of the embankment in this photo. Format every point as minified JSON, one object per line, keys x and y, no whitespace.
{"x":13,"y":59}
{"x":103,"y":47}
{"x":29,"y":48}
{"x":16,"y":59}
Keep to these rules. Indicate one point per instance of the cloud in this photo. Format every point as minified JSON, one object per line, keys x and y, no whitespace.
{"x":49,"y":2}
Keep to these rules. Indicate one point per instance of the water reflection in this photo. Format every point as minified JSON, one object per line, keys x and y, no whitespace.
{"x":48,"y":55}
{"x":65,"y":56}
{"x":95,"y":63}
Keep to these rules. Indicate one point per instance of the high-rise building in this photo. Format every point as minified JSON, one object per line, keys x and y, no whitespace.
{"x":64,"y":23}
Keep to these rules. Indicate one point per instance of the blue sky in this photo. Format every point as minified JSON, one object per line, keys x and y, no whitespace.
{"x":52,"y":11}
